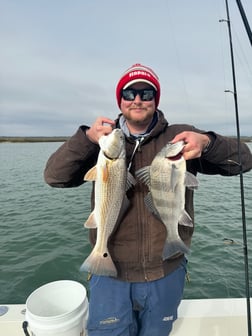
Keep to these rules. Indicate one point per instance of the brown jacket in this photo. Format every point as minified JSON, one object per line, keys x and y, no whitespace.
{"x":137,"y":243}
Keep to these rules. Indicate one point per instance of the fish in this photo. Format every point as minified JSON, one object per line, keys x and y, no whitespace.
{"x":167,"y":180}
{"x":112,"y":180}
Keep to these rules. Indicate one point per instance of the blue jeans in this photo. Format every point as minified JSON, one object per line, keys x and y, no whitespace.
{"x":118,"y":308}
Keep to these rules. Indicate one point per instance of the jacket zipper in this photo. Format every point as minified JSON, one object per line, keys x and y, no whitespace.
{"x":136,"y":148}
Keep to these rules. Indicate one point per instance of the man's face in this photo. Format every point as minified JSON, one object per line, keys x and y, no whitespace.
{"x":138,"y":111}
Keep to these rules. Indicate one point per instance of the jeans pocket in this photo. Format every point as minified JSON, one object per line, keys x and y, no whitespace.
{"x":109,"y":304}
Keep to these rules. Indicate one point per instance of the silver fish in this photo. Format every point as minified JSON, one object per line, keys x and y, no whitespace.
{"x":167,"y":179}
{"x":111,"y":183}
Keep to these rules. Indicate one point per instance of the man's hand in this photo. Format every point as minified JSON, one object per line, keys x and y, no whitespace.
{"x":195,"y":143}
{"x":101,"y":126}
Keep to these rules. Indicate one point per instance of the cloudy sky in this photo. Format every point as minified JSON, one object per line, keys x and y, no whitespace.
{"x":61,"y":60}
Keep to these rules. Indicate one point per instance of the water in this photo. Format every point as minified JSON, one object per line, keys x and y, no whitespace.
{"x":42,"y":237}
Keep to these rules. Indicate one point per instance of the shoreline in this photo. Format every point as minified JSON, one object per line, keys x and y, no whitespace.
{"x":33,"y":139}
{"x":19,"y":139}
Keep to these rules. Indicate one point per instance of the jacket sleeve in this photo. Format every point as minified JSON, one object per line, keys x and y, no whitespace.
{"x":68,"y":165}
{"x":222,"y":156}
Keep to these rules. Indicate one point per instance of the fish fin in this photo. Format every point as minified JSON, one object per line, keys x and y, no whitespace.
{"x":148,"y":200}
{"x":190,"y":181}
{"x":130,"y":181}
{"x":99,"y":264}
{"x":185,"y":219}
{"x":173,"y":177}
{"x":144,"y":175}
{"x":91,"y":174}
{"x":90,"y":222}
{"x":105,"y":173}
{"x":173,"y":247}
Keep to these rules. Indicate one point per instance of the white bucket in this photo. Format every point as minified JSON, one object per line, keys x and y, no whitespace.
{"x":59,"y":308}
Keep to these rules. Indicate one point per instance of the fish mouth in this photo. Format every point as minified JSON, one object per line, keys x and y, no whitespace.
{"x":175,"y":157}
{"x":108,"y":157}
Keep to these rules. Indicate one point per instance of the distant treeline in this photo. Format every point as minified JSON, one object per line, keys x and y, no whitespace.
{"x":33,"y":139}
{"x":64,"y":138}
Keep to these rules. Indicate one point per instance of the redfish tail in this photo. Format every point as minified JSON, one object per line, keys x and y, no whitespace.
{"x":173,"y":247}
{"x":99,"y":264}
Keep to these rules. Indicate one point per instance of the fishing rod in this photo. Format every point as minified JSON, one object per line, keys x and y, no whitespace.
{"x":239,"y":163}
{"x":245,"y":21}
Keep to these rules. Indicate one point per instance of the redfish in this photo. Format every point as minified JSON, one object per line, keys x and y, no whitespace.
{"x":112,"y":180}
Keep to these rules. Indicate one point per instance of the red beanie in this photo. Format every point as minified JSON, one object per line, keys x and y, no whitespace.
{"x":135,"y":74}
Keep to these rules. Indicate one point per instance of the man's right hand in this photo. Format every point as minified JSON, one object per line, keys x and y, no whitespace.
{"x":101,"y":126}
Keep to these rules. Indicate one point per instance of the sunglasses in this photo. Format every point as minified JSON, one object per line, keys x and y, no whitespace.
{"x":145,"y":94}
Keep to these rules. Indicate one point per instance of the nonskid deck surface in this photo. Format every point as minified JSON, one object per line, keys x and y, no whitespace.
{"x":211,"y":317}
{"x":206,"y":317}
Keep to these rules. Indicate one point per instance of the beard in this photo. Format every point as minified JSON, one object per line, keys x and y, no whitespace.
{"x":144,"y":117}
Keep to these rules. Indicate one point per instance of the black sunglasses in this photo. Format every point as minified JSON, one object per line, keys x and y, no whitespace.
{"x":145,"y":94}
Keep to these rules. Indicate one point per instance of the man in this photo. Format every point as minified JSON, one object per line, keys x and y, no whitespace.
{"x":144,"y":298}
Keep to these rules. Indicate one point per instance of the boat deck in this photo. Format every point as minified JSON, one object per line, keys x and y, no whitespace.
{"x":208,"y":317}
{"x":212,"y":317}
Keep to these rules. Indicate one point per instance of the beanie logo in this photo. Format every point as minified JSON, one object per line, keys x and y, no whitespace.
{"x":136,"y":73}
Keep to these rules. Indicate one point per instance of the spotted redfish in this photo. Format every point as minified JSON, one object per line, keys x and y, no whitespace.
{"x":111,"y":183}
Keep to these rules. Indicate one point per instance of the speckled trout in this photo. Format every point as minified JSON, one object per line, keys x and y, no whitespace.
{"x":111,"y":183}
{"x":167,"y":180}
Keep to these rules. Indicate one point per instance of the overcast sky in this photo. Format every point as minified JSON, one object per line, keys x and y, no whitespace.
{"x":61,"y":60}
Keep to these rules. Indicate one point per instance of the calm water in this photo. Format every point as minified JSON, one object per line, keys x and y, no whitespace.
{"x":42,"y":237}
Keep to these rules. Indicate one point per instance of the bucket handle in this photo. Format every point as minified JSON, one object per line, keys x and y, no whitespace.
{"x":25,"y":325}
